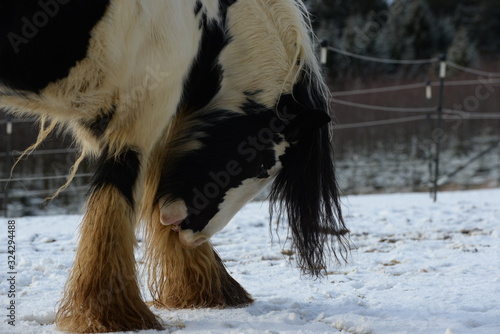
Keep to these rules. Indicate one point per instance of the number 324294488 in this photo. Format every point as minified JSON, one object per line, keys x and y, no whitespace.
{"x":11,"y":244}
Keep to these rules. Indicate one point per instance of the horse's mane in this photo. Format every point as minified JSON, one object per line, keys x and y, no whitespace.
{"x":305,"y":191}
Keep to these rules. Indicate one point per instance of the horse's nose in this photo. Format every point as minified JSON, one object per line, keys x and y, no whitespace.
{"x":172,"y":213}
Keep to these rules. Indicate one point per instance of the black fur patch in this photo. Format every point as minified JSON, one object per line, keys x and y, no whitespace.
{"x":40,"y":41}
{"x":306,"y":111}
{"x":224,"y":4}
{"x":205,"y":77}
{"x":235,"y":147}
{"x":121,"y":172}
{"x":251,"y":106}
{"x":197,"y":8}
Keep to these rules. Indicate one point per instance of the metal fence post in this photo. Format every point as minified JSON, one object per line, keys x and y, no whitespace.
{"x":428,"y":154}
{"x":442,"y":77}
{"x":8,"y":155}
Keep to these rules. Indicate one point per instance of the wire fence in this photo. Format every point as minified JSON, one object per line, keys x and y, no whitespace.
{"x":411,"y":86}
{"x":438,"y":112}
{"x":426,"y":113}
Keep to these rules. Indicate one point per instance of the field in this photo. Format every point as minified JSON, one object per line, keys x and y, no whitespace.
{"x":416,"y":267}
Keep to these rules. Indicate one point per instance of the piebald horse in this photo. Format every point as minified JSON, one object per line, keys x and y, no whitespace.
{"x":189,"y":108}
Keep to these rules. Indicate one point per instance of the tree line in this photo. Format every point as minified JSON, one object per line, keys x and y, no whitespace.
{"x":466,"y":30}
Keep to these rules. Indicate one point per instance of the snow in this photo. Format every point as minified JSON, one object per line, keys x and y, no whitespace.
{"x":418,"y":267}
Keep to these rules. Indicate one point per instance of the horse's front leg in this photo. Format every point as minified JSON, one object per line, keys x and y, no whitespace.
{"x":180,"y":277}
{"x":102,"y":293}
{"x":187,"y":278}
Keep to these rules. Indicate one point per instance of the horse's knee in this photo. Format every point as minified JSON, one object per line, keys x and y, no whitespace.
{"x":120,"y":171}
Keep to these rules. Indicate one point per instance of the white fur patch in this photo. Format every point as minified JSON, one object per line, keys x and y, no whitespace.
{"x":234,"y":200}
{"x":138,"y":57}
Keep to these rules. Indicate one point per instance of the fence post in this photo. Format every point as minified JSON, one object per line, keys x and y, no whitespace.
{"x":428,"y":154}
{"x":8,"y":155}
{"x":442,"y":77}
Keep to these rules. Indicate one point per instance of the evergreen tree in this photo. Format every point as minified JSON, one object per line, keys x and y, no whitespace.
{"x":351,"y":26}
{"x":331,"y":17}
{"x":467,"y":13}
{"x":486,"y":33}
{"x":421,"y":31}
{"x":412,"y":34}
{"x":408,"y":29}
{"x":365,"y":7}
{"x":462,"y":51}
{"x":442,"y":8}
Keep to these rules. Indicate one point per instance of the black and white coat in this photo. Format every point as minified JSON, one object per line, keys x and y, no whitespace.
{"x":191,"y":108}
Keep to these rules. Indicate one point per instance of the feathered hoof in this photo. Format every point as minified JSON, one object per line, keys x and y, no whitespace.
{"x":214,"y":288}
{"x":190,"y":278}
{"x":94,"y":318}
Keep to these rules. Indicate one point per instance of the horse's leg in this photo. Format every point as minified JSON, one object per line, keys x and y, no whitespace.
{"x":102,"y":293}
{"x":187,"y":278}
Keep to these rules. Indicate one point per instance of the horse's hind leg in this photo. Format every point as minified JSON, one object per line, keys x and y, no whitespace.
{"x":102,"y":294}
{"x":187,"y":278}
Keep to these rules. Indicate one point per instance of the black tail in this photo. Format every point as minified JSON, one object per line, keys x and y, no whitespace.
{"x":306,"y":190}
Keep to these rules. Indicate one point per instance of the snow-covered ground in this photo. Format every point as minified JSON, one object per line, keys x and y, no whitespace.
{"x":418,"y":267}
